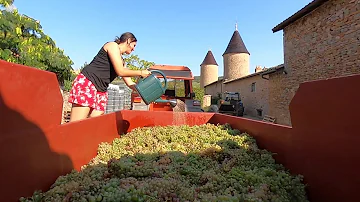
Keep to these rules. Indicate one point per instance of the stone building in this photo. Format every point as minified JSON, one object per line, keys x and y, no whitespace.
{"x":320,"y":41}
{"x":236,"y":58}
{"x":237,"y":78}
{"x":254,"y":92}
{"x":209,"y":70}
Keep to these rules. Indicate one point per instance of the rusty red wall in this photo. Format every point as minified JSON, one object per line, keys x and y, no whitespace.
{"x":32,"y":93}
{"x":36,"y":149}
{"x":30,"y":105}
{"x":326,"y":138}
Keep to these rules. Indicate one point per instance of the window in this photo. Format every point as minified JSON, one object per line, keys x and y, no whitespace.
{"x":253,"y":87}
{"x":176,"y":87}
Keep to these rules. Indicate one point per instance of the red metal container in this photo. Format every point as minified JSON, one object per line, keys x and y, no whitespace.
{"x":322,"y":144}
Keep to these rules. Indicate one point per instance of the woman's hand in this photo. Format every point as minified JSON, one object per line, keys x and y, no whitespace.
{"x":129,"y":83}
{"x":145,"y":73}
{"x":132,"y":87}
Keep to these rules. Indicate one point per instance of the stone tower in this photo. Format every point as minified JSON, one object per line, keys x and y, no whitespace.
{"x":236,"y":58}
{"x":209,"y":70}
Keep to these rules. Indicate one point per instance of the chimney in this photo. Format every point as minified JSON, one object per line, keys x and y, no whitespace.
{"x":258,"y":69}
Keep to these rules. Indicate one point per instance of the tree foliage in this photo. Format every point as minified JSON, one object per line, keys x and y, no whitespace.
{"x":199,"y":92}
{"x":6,"y":3}
{"x":23,"y":41}
{"x":84,"y":65}
{"x":135,"y":63}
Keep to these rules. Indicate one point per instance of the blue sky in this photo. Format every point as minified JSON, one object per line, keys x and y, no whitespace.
{"x":168,"y":32}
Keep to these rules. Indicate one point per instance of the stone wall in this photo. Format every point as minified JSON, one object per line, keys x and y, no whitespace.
{"x":323,"y":44}
{"x":279,"y":98}
{"x":213,"y":89}
{"x":236,"y":65}
{"x":209,"y":74}
{"x":253,"y":100}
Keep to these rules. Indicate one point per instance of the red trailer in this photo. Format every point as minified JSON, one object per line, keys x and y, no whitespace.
{"x":322,"y":145}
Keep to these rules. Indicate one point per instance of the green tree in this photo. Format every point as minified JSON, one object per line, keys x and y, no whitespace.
{"x":84,"y":65}
{"x":135,"y":63}
{"x":23,"y":41}
{"x":6,"y":3}
{"x":199,"y":92}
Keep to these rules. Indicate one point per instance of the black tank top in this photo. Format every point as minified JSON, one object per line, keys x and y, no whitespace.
{"x":100,"y":71}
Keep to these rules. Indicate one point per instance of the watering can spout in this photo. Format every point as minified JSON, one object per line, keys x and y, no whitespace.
{"x":173,"y":103}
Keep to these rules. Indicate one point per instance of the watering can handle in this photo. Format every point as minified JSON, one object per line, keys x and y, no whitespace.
{"x":162,"y":74}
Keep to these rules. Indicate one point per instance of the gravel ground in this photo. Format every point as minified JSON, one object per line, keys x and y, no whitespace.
{"x":66,"y":105}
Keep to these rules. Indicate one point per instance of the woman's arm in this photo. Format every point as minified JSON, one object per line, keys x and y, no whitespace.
{"x":129,"y":83}
{"x":114,"y":54}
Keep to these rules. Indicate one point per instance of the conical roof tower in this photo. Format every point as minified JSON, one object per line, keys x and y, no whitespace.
{"x":209,"y":70}
{"x":236,"y":58}
{"x":236,"y":44}
{"x":209,"y":59}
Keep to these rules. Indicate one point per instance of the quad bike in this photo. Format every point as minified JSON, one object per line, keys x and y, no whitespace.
{"x":231,"y":104}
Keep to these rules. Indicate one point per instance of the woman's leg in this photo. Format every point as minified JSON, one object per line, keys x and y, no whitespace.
{"x":82,"y":97}
{"x":95,"y":113}
{"x":79,"y":112}
{"x":100,"y":104}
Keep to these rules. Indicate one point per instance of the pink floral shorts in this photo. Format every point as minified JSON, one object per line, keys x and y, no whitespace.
{"x":84,"y":93}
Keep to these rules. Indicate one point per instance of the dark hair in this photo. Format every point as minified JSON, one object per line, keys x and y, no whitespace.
{"x":124,"y":37}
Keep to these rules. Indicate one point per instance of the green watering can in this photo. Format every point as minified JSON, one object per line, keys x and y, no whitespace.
{"x":150,"y":88}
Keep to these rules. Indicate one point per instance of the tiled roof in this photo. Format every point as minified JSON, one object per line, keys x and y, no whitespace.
{"x":209,"y":59}
{"x":264,"y":72}
{"x":304,"y":11}
{"x":271,"y":69}
{"x":220,"y":79}
{"x":236,"y":44}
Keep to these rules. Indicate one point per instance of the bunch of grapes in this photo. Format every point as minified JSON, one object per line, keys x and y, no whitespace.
{"x":179,"y":163}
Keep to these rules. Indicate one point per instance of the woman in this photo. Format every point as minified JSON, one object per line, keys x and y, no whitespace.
{"x":89,"y":89}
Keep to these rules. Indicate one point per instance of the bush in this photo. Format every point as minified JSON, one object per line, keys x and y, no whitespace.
{"x":68,"y":82}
